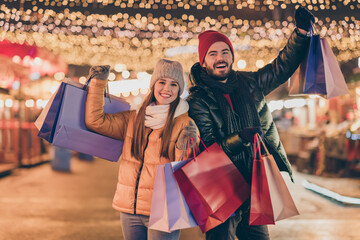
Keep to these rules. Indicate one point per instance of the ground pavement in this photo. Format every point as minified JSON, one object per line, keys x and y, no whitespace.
{"x":39,"y":203}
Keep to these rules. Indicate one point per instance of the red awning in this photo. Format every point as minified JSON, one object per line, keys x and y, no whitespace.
{"x":11,"y":72}
{"x":37,"y":59}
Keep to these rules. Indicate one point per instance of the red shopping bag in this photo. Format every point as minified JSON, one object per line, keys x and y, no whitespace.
{"x":282,"y":203}
{"x":261,"y":212}
{"x":271,"y":200}
{"x":212,"y":186}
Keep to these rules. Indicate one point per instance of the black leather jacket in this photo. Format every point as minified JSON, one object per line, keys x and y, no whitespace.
{"x":207,"y":115}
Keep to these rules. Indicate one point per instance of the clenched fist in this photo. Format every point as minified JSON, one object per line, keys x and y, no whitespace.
{"x":99,"y":72}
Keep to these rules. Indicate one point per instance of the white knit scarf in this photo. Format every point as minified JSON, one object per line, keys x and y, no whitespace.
{"x":155,"y":115}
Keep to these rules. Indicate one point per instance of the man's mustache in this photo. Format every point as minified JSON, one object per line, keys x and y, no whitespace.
{"x":222,"y":62}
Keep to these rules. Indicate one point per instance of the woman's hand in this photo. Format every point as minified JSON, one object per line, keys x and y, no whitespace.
{"x":99,"y":72}
{"x":190,"y":131}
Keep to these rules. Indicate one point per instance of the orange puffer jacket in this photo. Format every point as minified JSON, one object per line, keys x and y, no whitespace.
{"x":136,"y":178}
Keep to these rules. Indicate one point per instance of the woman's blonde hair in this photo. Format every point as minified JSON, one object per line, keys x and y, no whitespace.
{"x":139,"y":142}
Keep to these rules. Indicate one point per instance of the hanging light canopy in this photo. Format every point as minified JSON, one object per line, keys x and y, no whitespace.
{"x":139,"y":32}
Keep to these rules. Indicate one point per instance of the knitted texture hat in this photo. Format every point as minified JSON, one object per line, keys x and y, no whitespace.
{"x":168,"y":69}
{"x":207,"y":38}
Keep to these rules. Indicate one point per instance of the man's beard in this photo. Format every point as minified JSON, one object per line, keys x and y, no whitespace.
{"x":210,"y":72}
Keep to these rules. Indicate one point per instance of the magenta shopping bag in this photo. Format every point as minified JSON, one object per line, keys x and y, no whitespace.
{"x":64,"y":124}
{"x":212,"y":186}
{"x":169,"y":210}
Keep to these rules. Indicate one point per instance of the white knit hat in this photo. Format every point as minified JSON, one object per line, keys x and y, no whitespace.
{"x":168,"y":69}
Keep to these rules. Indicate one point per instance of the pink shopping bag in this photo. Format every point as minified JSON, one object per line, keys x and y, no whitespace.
{"x":282,"y":204}
{"x":169,"y":210}
{"x":335,"y":82}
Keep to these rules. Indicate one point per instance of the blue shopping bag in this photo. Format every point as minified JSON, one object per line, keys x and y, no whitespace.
{"x":48,"y":126}
{"x":315,"y":82}
{"x":64,"y":125}
{"x":169,"y":210}
{"x":319,"y":72}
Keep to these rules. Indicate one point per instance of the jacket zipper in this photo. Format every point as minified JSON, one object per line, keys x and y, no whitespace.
{"x":138,"y":177}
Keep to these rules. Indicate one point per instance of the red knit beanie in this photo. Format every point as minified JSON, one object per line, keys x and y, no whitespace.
{"x":207,"y":38}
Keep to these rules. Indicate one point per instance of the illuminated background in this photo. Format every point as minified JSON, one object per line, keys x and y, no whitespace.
{"x":132,"y":35}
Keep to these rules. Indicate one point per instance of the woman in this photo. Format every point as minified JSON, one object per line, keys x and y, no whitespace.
{"x":155,"y":134}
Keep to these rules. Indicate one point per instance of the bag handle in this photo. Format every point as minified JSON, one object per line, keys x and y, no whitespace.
{"x":193,"y":145}
{"x":313,"y":30}
{"x":107,"y":92}
{"x":256,"y":148}
{"x":257,"y":141}
{"x":188,"y":149}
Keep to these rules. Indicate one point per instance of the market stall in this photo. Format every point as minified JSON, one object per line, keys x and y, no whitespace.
{"x":23,"y":65}
{"x":322,"y":136}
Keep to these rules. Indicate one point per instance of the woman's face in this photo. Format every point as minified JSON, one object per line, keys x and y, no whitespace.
{"x":166,"y":91}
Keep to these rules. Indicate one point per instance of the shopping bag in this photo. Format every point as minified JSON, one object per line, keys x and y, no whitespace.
{"x":297,"y":80}
{"x":261,"y":212}
{"x":335,"y":82}
{"x":319,"y":72}
{"x":282,"y":203}
{"x":212,"y":186}
{"x":64,"y":124}
{"x":169,"y":210}
{"x":41,"y":118}
{"x":47,"y":129}
{"x":315,"y":74}
{"x":44,"y":113}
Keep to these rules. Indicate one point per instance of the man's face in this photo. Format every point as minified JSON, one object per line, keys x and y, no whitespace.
{"x":218,"y":60}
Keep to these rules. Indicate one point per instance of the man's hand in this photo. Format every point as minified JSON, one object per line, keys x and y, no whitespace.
{"x":247,"y":134}
{"x":99,"y":72}
{"x":190,"y":131}
{"x":303,"y":19}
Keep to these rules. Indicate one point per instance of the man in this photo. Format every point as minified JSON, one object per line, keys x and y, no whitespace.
{"x":229,"y":108}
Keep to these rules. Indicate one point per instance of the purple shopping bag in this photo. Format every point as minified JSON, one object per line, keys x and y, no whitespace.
{"x":64,"y":124}
{"x":315,"y":82}
{"x":169,"y":210}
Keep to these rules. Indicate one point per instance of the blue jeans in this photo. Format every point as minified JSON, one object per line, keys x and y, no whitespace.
{"x":238,"y":226}
{"x":135,"y":227}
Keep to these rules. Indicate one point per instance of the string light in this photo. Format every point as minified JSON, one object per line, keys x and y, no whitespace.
{"x":241,"y":64}
{"x":139,"y":40}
